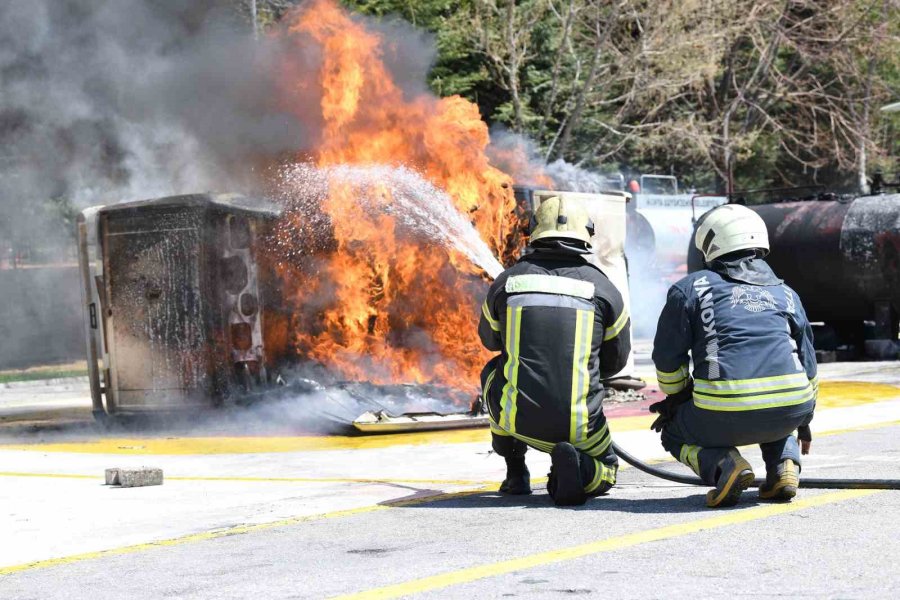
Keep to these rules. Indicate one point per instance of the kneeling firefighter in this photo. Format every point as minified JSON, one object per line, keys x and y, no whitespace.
{"x":560,"y":327}
{"x":754,"y":378}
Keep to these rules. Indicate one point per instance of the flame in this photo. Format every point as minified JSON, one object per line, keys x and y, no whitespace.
{"x":371,"y":303}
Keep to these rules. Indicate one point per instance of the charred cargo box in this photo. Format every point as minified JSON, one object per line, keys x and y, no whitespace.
{"x":172,"y":301}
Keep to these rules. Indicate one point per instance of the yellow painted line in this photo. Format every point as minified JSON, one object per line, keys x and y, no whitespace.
{"x":254,"y":444}
{"x":832,"y":394}
{"x":226,"y":478}
{"x":236,"y":530}
{"x":25,"y":418}
{"x":841,"y":394}
{"x":865,"y":427}
{"x":484,"y":571}
{"x":52,"y":475}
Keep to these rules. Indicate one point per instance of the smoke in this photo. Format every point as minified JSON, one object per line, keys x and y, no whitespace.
{"x":647,"y":278}
{"x":103,"y":102}
{"x":520,"y":157}
{"x":109,"y":101}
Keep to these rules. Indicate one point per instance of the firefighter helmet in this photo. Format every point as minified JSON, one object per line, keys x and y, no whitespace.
{"x":562,"y":217}
{"x":728,"y":228}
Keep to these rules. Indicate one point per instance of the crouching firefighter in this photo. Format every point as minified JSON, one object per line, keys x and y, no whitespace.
{"x":754,"y":377}
{"x":560,"y":327}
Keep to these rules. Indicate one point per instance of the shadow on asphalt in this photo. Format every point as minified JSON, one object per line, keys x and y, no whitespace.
{"x":695,"y":503}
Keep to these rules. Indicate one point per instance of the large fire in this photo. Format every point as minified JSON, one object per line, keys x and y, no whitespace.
{"x":373,"y":303}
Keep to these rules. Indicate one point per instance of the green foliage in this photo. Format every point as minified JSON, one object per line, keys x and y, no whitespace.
{"x":767,"y":92}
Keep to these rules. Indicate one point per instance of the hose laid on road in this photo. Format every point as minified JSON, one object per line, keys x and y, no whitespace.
{"x":810,"y":482}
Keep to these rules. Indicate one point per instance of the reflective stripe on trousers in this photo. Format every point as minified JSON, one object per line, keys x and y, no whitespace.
{"x":581,"y":377}
{"x":511,"y":369}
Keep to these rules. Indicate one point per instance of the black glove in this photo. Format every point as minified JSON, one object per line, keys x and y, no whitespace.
{"x":667,"y":408}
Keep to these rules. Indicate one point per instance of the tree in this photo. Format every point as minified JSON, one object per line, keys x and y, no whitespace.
{"x":737,"y":93}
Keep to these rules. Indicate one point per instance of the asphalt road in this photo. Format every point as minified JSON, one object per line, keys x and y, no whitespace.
{"x":646,"y":539}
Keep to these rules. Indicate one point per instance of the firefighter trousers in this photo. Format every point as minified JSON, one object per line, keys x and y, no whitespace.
{"x":597,"y":459}
{"x":700,"y":438}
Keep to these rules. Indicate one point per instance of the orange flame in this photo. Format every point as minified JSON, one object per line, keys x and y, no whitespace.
{"x":387,"y":308}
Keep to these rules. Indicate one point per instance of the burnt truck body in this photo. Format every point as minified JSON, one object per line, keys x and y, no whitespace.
{"x":172,"y":301}
{"x":842,"y":256}
{"x":178,"y":291}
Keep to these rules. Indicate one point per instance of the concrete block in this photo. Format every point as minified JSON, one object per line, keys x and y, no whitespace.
{"x":112,"y":477}
{"x":141,"y":477}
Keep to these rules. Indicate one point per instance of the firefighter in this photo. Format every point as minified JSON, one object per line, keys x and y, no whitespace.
{"x":754,"y":376}
{"x":560,"y":327}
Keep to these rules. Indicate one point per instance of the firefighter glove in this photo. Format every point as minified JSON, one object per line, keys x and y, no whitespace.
{"x":667,"y":408}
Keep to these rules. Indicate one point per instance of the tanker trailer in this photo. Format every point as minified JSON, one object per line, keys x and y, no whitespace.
{"x":842,"y":256}
{"x":660,"y":221}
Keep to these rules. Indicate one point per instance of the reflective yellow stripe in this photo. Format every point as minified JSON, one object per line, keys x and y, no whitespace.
{"x":584,"y":333}
{"x":496,"y":429}
{"x":510,"y":392}
{"x":494,"y":323}
{"x":549,"y":284}
{"x":672,"y":388}
{"x":600,"y":438}
{"x":792,"y":380}
{"x":595,"y":482}
{"x":754,"y":402}
{"x":588,"y":324}
{"x":690,"y":456}
{"x":573,"y":403}
{"x":674,"y":377}
{"x":487,"y":387}
{"x":534,"y":443}
{"x":617,"y":327}
{"x":674,"y":381}
{"x":601,"y":473}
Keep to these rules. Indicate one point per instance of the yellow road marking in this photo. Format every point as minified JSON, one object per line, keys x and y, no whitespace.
{"x":237,"y":530}
{"x":52,"y":475}
{"x":253,"y":445}
{"x":385,"y":480}
{"x":841,"y":394}
{"x":832,"y":394}
{"x":856,"y":428}
{"x":483,"y":571}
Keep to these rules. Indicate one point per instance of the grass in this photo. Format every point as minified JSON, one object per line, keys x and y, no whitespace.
{"x":76,"y":369}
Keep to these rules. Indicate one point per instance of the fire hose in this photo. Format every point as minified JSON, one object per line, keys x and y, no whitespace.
{"x":809,"y":482}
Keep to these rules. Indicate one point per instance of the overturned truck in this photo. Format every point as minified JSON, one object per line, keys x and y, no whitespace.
{"x":176,"y":296}
{"x":172,"y":301}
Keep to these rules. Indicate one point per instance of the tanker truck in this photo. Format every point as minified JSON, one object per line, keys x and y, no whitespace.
{"x":842,"y":256}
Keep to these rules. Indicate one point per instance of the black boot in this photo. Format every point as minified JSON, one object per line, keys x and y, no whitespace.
{"x":518,"y":479}
{"x":564,"y":483}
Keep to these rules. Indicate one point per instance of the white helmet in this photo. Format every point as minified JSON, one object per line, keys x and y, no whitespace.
{"x":728,"y":228}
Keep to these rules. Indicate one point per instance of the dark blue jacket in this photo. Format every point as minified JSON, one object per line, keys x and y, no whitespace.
{"x":751,"y":345}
